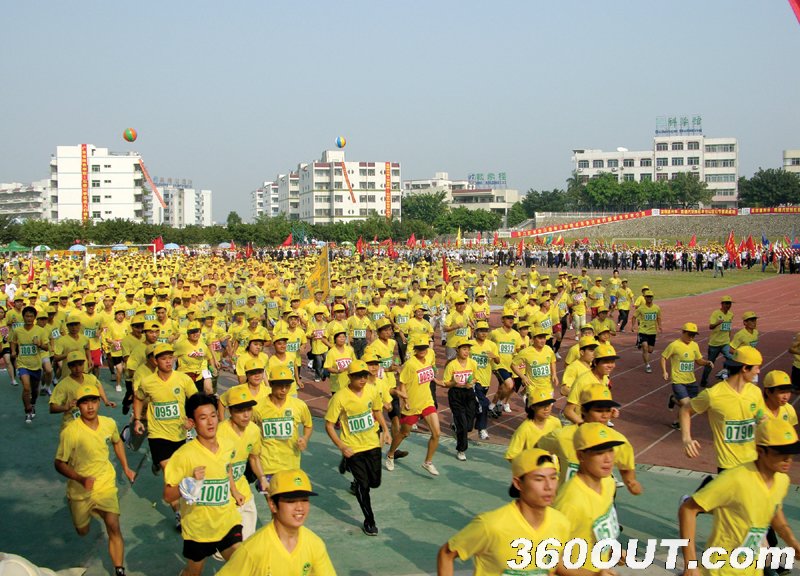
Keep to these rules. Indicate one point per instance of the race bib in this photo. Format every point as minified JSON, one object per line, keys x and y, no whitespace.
{"x":482,"y":360}
{"x":76,"y":413}
{"x":4,"y":331}
{"x":506,"y":347}
{"x":462,"y":331}
{"x":237,"y":469}
{"x":572,"y":469}
{"x":725,"y":327}
{"x":686,"y":366}
{"x":540,"y":371}
{"x":739,"y":431}
{"x":343,"y":363}
{"x":166,"y":410}
{"x":359,"y":333}
{"x":400,"y":319}
{"x":277,"y":428}
{"x":214,"y":493}
{"x":606,"y":526}
{"x":425,"y":375}
{"x":650,"y":316}
{"x":90,"y":332}
{"x":361,"y":422}
{"x":377,"y":316}
{"x":462,"y":378}
{"x":293,"y":346}
{"x":546,"y":323}
{"x":216,"y":346}
{"x":318,"y":334}
{"x":754,"y":539}
{"x":55,"y":334}
{"x":28,"y":350}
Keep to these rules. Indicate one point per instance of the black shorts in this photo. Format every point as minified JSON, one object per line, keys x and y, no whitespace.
{"x":161,"y":449}
{"x":5,"y":351}
{"x":394,"y":411}
{"x":366,"y":467}
{"x":649,"y":339}
{"x":116,"y":360}
{"x":503,"y":375}
{"x":199,"y":551}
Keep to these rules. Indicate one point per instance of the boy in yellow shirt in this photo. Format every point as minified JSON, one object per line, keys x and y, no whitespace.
{"x":682,"y":354}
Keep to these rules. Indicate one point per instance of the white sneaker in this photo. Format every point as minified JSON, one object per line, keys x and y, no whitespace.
{"x":310,"y":364}
{"x":29,"y":419}
{"x":507,"y":408}
{"x":610,"y":424}
{"x":648,"y":369}
{"x":390,"y":464}
{"x":558,"y":356}
{"x":459,"y":456}
{"x":432,"y":469}
{"x":118,"y":388}
{"x":483,"y":435}
{"x":620,"y":484}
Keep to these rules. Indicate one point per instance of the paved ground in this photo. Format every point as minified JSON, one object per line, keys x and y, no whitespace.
{"x":416,"y":513}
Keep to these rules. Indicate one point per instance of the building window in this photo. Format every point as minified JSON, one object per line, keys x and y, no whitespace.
{"x":661,"y":177}
{"x":662,"y":161}
{"x":338,"y":198}
{"x":95,"y":167}
{"x":675,"y":175}
{"x":338,"y":212}
{"x":396,"y":173}
{"x":337,"y":185}
{"x":362,"y":171}
{"x":711,"y":148}
{"x":109,"y":165}
{"x":95,"y":183}
{"x":96,"y":215}
{"x":677,"y":161}
{"x":693,"y":160}
{"x":693,"y":145}
{"x":95,"y":199}
{"x":583,"y":163}
{"x":628,"y":162}
{"x":645,"y":162}
{"x":677,"y":145}
{"x":720,"y":177}
{"x":106,"y":181}
{"x":371,"y":198}
{"x":661,"y":146}
{"x":371,"y":172}
{"x":613,"y":163}
{"x":362,"y":212}
{"x":597,"y":163}
{"x":646,"y":178}
{"x":629,"y":177}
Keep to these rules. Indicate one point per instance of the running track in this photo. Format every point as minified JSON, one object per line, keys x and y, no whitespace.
{"x":644,"y":418}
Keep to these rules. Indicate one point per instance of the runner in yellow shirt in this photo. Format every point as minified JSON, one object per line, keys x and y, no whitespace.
{"x":459,"y":379}
{"x":200,"y":475}
{"x":747,"y":336}
{"x":64,"y":399}
{"x":604,"y":363}
{"x":284,"y":547}
{"x":536,"y":365}
{"x":493,"y":539}
{"x":360,"y":331}
{"x":719,"y":341}
{"x":83,"y":458}
{"x":777,"y":394}
{"x":587,"y":500}
{"x":539,"y":422}
{"x":508,"y":343}
{"x":648,"y":321}
{"x":358,"y":408}
{"x":682,"y":354}
{"x":624,"y":300}
{"x":578,"y":307}
{"x":338,"y":360}
{"x":746,"y":501}
{"x":586,"y":346}
{"x":484,"y":352}
{"x":27,"y":342}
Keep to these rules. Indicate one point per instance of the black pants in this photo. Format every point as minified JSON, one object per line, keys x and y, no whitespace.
{"x":127,"y":401}
{"x":463,"y":405}
{"x":366,"y":469}
{"x":401,"y":347}
{"x":482,"y":409}
{"x":623,"y":319}
{"x":359,"y":345}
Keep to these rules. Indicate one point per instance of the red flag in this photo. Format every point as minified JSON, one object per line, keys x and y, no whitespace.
{"x":585,"y":240}
{"x":158,"y":245}
{"x":31,"y":272}
{"x":559,"y":241}
{"x":494,"y":241}
{"x":751,"y":246}
{"x":233,"y":245}
{"x":412,"y":241}
{"x":360,"y":245}
{"x":249,"y":250}
{"x":423,"y":243}
{"x":47,"y":262}
{"x":795,"y":4}
{"x":693,"y":241}
{"x":479,"y":237}
{"x":445,"y":273}
{"x":288,"y":241}
{"x":519,"y":249}
{"x":730,"y":246}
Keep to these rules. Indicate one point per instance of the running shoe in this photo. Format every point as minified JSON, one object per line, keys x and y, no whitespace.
{"x":648,"y":369}
{"x":672,"y":401}
{"x":483,"y":434}
{"x":459,"y":456}
{"x":370,"y":529}
{"x":431,"y":468}
{"x":28,"y":418}
{"x":390,"y":464}
{"x":400,"y":454}
{"x":118,"y":388}
{"x":507,"y":407}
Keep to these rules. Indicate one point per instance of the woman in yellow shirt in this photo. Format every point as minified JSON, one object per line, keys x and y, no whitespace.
{"x":338,"y":361}
{"x":194,"y":358}
{"x":538,"y":423}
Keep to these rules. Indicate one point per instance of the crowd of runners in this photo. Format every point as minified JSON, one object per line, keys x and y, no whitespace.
{"x":162,"y":333}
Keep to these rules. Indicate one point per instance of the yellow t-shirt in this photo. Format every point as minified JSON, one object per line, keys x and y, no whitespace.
{"x":421,"y":326}
{"x":86,"y":451}
{"x":192,"y":357}
{"x":66,"y":391}
{"x":463,"y":376}
{"x":165,"y":408}
{"x":592,"y":515}
{"x":720,"y":335}
{"x":246,"y":443}
{"x":480,"y":353}
{"x":733,"y":417}
{"x":682,"y":357}
{"x":28,"y":353}
{"x":648,"y":318}
{"x":316,"y":332}
{"x":743,"y":507}
{"x":358,"y":327}
{"x":624,"y":298}
{"x":528,"y":434}
{"x":214,"y":514}
{"x":585,"y":380}
{"x":539,"y":365}
{"x":488,"y":540}
{"x":785,"y":412}
{"x":579,"y":303}
{"x":93,"y":329}
{"x":280,"y":429}
{"x":385,"y":351}
{"x":264,"y":553}
{"x":416,"y":376}
{"x":66,"y":344}
{"x":572,"y":372}
{"x":356,"y":415}
{"x":573,"y":354}
{"x":340,"y":359}
{"x":745,"y":338}
{"x":456,"y":318}
{"x":115,"y":332}
{"x":508,"y":343}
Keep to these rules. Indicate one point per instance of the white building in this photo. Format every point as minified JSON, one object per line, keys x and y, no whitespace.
{"x":264,"y":201}
{"x":185,"y":205}
{"x":464,"y":194}
{"x":90,"y":183}
{"x":27,"y":201}
{"x":289,"y":195}
{"x":713,"y":160}
{"x":791,"y":161}
{"x":325,"y":197}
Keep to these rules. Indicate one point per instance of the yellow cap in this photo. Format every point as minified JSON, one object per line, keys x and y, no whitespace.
{"x":460,"y":341}
{"x":779,"y":435}
{"x":238,"y":397}
{"x":648,"y":293}
{"x":194,"y":326}
{"x":746,"y":356}
{"x":419,"y":341}
{"x":689,"y":327}
{"x":150,"y":349}
{"x":602,"y":308}
{"x":596,"y":436}
{"x":75,"y":356}
{"x":163,"y":348}
{"x":280,"y":335}
{"x":294,"y":482}
{"x":600,"y":395}
{"x":529,"y":460}
{"x":605,"y":351}
{"x":776,"y":378}
{"x":357,"y":366}
{"x":382,"y":323}
{"x":280,"y":374}
{"x":87,"y":391}
{"x":727,"y":299}
{"x":540,"y":396}
{"x":253,"y":365}
{"x":587,"y":342}
{"x":749,"y":316}
{"x":370,"y":356}
{"x":481,"y":325}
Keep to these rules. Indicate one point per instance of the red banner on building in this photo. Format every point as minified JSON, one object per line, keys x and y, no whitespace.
{"x":698,"y":212}
{"x":580,"y":224}
{"x":388,"y":171}
{"x":777,"y":210}
{"x":84,"y":184}
{"x":347,"y":181}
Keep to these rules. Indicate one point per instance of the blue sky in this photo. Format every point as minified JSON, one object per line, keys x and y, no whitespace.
{"x":231,"y":94}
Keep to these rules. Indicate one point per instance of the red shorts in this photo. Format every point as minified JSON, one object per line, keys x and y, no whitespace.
{"x":96,"y":357}
{"x":557,"y":328}
{"x":412,"y":419}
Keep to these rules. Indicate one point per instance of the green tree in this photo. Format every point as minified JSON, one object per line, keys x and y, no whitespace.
{"x":543,"y":201}
{"x":9,"y":229}
{"x":516,"y":215}
{"x":233,"y":219}
{"x":603,"y":192}
{"x":688,"y":191}
{"x":426,"y":207}
{"x":770,"y":187}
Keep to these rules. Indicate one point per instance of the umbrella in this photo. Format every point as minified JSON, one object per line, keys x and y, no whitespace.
{"x":77,"y":248}
{"x":171,"y":246}
{"x":347,"y":243}
{"x":42,"y":248}
{"x":119,"y":247}
{"x":224,"y":245}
